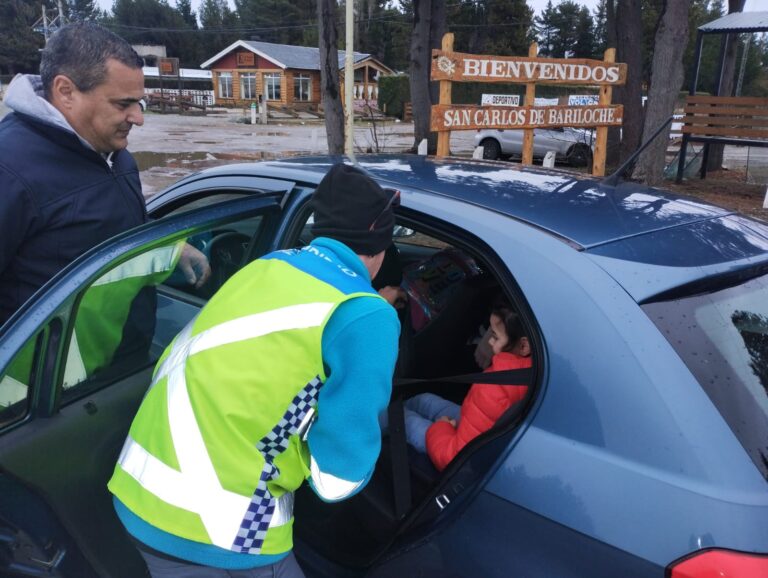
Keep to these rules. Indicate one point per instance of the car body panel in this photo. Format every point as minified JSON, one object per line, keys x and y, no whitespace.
{"x":691,"y":450}
{"x":565,"y":204}
{"x":527,"y":542}
{"x":622,"y":463}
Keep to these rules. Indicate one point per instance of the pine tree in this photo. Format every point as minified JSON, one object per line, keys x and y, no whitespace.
{"x":184,"y":7}
{"x":509,"y":22}
{"x":154,"y":22}
{"x":566,"y":25}
{"x":600,"y":19}
{"x":546,"y":29}
{"x":271,"y":20}
{"x":218,"y":23}
{"x":81,"y":10}
{"x":18,"y":43}
{"x":584,"y":47}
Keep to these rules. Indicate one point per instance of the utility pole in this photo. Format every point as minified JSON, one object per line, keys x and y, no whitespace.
{"x":743,"y":68}
{"x":46,"y":33}
{"x":349,"y":80}
{"x":46,"y":25}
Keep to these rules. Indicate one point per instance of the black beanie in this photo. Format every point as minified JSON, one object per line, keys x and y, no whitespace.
{"x":346,"y":203}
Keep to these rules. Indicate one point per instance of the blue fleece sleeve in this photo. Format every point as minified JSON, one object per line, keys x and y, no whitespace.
{"x":359,"y":351}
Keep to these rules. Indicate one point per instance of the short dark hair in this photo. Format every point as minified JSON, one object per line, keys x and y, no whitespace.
{"x":511,"y":320}
{"x":80,"y":52}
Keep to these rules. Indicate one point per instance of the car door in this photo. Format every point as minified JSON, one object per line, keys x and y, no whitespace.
{"x":75,"y":362}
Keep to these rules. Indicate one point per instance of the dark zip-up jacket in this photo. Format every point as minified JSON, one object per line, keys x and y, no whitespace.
{"x":58,"y":199}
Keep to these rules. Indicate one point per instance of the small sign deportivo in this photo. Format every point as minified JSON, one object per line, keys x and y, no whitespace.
{"x":500,"y":100}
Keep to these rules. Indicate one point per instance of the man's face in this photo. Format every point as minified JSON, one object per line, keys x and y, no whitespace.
{"x":104,"y":115}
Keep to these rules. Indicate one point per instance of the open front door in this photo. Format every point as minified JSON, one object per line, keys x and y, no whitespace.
{"x":75,"y":363}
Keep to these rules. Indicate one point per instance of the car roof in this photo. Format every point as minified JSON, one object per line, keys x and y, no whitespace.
{"x":629,"y":222}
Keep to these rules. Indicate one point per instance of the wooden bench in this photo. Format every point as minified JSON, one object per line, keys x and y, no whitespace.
{"x":739,"y":121}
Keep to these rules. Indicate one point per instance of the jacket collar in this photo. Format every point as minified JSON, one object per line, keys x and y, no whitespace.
{"x":343,"y":254}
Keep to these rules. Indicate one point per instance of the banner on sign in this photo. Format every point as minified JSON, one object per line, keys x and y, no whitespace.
{"x":546,"y":101}
{"x":500,"y":100}
{"x":583,"y":99}
{"x":468,"y":117}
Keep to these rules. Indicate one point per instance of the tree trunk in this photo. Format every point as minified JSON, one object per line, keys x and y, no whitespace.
{"x":629,"y":26}
{"x":438,"y":27}
{"x":611,"y":37}
{"x":419,"y":69}
{"x":329,"y":75}
{"x":666,"y":80}
{"x":715,"y":159}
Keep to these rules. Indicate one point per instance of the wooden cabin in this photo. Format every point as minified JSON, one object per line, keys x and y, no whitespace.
{"x":288,"y":75}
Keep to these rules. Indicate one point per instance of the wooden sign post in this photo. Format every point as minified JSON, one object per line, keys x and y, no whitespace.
{"x":449,"y":66}
{"x":601,"y":138}
{"x":443,"y":137}
{"x":530,"y":100}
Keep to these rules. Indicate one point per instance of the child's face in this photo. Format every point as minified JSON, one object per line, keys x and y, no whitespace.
{"x":499,"y":339}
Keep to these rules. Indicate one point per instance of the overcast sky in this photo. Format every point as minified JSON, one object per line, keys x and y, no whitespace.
{"x":537,"y":5}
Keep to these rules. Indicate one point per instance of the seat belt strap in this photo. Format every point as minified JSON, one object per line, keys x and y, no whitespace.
{"x":401,"y":475}
{"x":507,"y":377}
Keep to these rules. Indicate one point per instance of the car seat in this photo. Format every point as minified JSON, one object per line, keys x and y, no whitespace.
{"x":445,"y":304}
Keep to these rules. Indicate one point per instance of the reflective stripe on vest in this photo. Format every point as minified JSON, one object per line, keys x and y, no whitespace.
{"x":196,"y":487}
{"x":74,"y":370}
{"x":158,"y":261}
{"x":12,"y":391}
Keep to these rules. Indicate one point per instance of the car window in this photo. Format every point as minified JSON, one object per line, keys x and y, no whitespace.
{"x":115,"y":320}
{"x":722,"y":336}
{"x":225,"y":250}
{"x":126,"y":318}
{"x":15,"y":384}
{"x":207,"y":199}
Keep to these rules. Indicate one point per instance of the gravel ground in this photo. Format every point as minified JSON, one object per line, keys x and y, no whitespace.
{"x":170,"y":146}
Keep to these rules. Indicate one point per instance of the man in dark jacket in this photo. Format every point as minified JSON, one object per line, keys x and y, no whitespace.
{"x":66,"y":182}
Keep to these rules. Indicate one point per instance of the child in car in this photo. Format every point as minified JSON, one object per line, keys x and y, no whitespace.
{"x":441,"y":428}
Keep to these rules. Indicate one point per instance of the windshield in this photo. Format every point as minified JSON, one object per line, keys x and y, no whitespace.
{"x":722,"y":337}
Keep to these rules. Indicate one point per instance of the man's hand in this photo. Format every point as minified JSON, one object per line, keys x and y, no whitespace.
{"x":194,"y":266}
{"x":446,"y":418}
{"x":395,"y":296}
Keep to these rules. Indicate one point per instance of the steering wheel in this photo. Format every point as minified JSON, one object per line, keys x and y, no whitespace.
{"x":227,"y":252}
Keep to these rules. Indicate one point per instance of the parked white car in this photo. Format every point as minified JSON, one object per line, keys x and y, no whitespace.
{"x":573,"y":146}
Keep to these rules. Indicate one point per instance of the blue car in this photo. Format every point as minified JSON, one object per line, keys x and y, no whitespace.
{"x":640,"y":450}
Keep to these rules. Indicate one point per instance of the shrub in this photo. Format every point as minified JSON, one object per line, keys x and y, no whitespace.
{"x":394,"y":91}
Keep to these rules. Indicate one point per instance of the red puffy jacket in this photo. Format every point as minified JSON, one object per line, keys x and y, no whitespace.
{"x":484,"y":404}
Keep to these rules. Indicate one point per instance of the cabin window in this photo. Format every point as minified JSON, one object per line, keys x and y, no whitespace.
{"x":248,"y":86}
{"x":302,"y":84}
{"x":272,"y":84}
{"x":225,"y":85}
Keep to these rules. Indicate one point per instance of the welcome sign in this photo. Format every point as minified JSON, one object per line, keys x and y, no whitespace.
{"x":468,"y":117}
{"x":584,"y":111}
{"x":458,"y":67}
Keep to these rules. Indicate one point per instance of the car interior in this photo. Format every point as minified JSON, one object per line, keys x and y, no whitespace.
{"x":450,"y":286}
